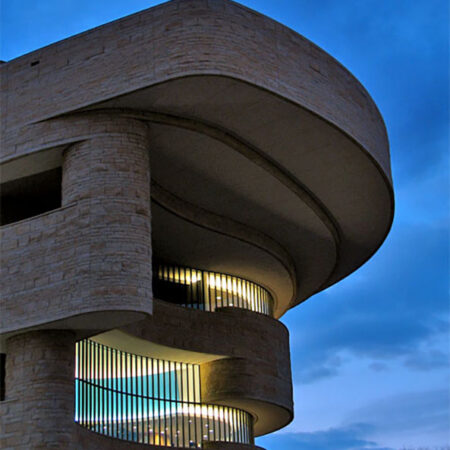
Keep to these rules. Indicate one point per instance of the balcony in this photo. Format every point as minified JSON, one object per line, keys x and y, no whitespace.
{"x":150,"y":401}
{"x":207,"y":290}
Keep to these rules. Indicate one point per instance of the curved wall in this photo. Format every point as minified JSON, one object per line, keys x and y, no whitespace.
{"x":227,"y":39}
{"x":94,"y":253}
{"x":255,"y":374}
{"x":38,"y":409}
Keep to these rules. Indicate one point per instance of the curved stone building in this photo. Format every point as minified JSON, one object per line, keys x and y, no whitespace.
{"x":172,"y":183}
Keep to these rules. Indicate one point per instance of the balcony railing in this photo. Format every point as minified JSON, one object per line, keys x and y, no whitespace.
{"x":205,"y":290}
{"x":149,"y":401}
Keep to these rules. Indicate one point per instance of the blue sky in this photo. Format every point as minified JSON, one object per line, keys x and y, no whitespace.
{"x":377,"y":375}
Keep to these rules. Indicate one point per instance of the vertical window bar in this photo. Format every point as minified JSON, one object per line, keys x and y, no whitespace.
{"x":109,"y":411}
{"x":194,"y":288}
{"x":194,"y":282}
{"x":216,"y":423}
{"x":190,"y":288}
{"x":106,"y":390}
{"x":240,"y":293}
{"x":92,"y":380}
{"x":261,"y":307}
{"x":225,"y":291}
{"x":211,"y":422}
{"x":98,"y":388}
{"x":236,"y":426}
{"x":186,"y":394}
{"x":173,"y":417}
{"x":120,"y":395}
{"x":95,"y":388}
{"x":252,"y":293}
{"x":160,"y":406}
{"x":77,"y":397}
{"x":178,"y":398}
{"x":211,"y":287}
{"x":161,"y":400}
{"x":102,"y":388}
{"x":218,"y":290}
{"x":162,"y":364}
{"x":134,"y":416}
{"x":88,"y":385}
{"x":241,"y":427}
{"x":230,"y":414}
{"x":113,"y":392}
{"x":140,"y":401}
{"x":83,"y":369}
{"x":153,"y":401}
{"x":146,"y":401}
{"x":228,"y":425}
{"x":233,"y":427}
{"x":126,"y":379}
{"x":123,"y":389}
{"x":167,"y":396}
{"x":77,"y":381}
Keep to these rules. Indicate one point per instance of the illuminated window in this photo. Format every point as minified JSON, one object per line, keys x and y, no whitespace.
{"x":150,"y":401}
{"x":208,"y":291}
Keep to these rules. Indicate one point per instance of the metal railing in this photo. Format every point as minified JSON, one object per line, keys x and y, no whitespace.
{"x":205,"y":290}
{"x":149,"y":401}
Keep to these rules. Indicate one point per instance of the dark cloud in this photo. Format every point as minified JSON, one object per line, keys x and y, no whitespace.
{"x":390,"y":309}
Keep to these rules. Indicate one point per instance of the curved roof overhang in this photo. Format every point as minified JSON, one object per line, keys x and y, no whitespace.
{"x":268,"y":159}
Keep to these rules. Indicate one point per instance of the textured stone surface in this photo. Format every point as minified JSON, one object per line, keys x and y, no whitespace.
{"x":94,"y":253}
{"x":193,"y":39}
{"x":188,"y":37}
{"x":258,"y":370}
{"x":38,"y":411}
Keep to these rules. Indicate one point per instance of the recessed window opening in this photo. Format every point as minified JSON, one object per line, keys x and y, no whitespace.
{"x":206,"y":290}
{"x":150,"y":401}
{"x":2,"y":375}
{"x":30,"y":196}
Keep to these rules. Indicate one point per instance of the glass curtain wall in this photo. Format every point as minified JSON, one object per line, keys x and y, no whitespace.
{"x":150,"y":401}
{"x":207,"y":290}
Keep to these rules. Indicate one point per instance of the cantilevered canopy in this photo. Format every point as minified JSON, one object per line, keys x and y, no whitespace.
{"x":268,"y":159}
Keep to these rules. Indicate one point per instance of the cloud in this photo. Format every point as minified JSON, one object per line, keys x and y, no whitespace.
{"x":397,"y":311}
{"x":378,"y":367}
{"x":350,"y":437}
{"x":408,"y":417}
{"x":428,"y":360}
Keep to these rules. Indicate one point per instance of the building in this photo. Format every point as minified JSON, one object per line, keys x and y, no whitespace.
{"x":172,"y":183}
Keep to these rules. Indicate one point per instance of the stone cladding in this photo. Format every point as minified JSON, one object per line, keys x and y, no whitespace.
{"x":94,"y":253}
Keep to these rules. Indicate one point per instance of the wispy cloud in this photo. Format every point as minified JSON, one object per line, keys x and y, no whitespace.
{"x":408,"y":417}
{"x":349,"y":437}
